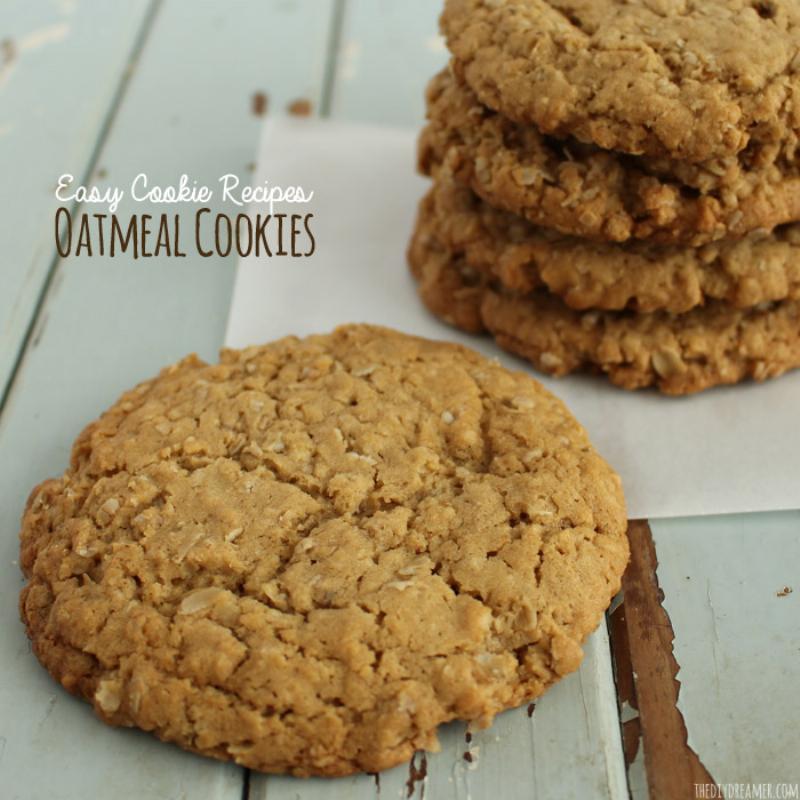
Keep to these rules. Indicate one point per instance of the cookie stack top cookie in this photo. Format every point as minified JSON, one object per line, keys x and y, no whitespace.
{"x":677,"y":79}
{"x":616,"y":186}
{"x":674,"y":121}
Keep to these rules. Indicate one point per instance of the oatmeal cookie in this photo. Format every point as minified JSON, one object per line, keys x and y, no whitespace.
{"x":638,"y":276}
{"x":677,"y":353}
{"x":307,"y":557}
{"x":597,"y":194}
{"x":686,"y":79}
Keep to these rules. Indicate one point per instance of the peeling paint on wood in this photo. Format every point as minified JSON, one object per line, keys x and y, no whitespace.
{"x":673,"y":768}
{"x":737,"y":640}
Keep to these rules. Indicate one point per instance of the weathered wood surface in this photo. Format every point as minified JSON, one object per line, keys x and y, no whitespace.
{"x":62,"y":68}
{"x":168,"y":87}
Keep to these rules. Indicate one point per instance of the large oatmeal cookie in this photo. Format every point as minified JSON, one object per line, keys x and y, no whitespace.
{"x":307,"y":557}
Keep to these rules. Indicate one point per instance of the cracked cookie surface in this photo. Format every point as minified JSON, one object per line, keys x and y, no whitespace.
{"x":676,"y":353}
{"x":307,"y":557}
{"x":597,"y":194}
{"x":684,"y":78}
{"x":637,"y":276}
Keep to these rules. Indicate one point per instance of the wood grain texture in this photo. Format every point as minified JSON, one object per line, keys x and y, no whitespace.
{"x":61,"y":65}
{"x":106,"y":324}
{"x":737,"y":639}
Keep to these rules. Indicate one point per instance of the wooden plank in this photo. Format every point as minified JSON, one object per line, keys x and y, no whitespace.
{"x":388,"y":52}
{"x":60,"y":67}
{"x":673,"y":768}
{"x":107,"y":323}
{"x":520,"y":757}
{"x":732,"y":592}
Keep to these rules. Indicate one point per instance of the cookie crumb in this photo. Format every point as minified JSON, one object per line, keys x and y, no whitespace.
{"x":300,"y":108}
{"x":8,"y":51}
{"x":259,"y":103}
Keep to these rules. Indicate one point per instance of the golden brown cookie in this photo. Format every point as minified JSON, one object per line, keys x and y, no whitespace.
{"x":691,"y":80}
{"x":584,"y":191}
{"x":677,"y":353}
{"x":307,"y":557}
{"x":638,"y":276}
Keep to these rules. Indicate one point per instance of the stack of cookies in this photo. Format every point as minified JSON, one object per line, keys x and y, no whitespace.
{"x":616,"y":186}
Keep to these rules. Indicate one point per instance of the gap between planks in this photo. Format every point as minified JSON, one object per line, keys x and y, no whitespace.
{"x":334,"y":47}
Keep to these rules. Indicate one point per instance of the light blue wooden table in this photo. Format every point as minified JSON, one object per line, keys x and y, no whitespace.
{"x":95,"y":88}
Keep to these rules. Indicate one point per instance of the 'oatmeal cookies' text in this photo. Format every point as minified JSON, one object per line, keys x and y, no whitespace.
{"x":209,"y":232}
{"x":163,"y":235}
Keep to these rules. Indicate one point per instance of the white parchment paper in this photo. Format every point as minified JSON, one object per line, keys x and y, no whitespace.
{"x":733,"y":449}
